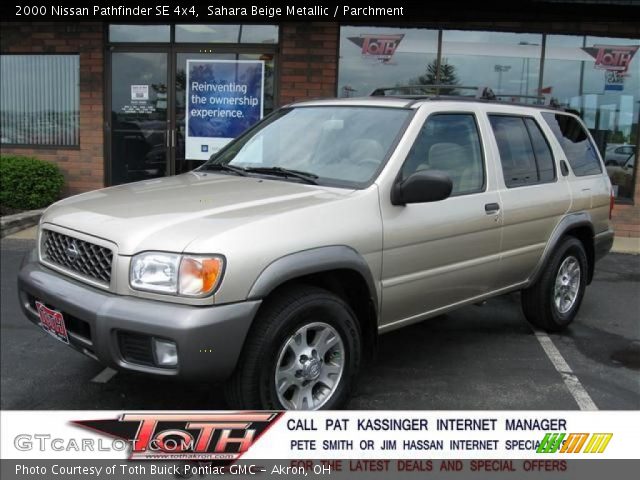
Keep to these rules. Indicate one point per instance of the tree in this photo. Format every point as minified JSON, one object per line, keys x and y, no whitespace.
{"x":448,"y":76}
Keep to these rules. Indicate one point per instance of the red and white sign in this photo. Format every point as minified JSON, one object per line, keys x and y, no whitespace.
{"x":381,"y":47}
{"x":366,"y":435}
{"x":610,"y":57}
{"x":52,"y":322}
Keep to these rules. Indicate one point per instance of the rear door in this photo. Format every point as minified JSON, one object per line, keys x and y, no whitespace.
{"x":590,"y":188}
{"x":533,"y":194}
{"x":441,"y":253}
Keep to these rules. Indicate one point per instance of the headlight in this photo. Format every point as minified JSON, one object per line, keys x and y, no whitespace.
{"x":187,"y":275}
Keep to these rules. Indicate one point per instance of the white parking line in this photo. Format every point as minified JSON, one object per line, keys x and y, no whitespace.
{"x":576,"y":389}
{"x":104,"y":376}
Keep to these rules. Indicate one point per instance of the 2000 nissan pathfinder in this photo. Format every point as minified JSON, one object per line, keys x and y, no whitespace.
{"x":275,"y":265}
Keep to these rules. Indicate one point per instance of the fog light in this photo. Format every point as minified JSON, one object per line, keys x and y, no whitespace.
{"x":165,"y":352}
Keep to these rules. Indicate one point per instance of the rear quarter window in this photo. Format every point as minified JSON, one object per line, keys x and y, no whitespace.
{"x":575,"y":143}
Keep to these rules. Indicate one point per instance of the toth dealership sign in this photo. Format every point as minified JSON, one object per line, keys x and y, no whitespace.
{"x":381,"y":47}
{"x":608,"y":57}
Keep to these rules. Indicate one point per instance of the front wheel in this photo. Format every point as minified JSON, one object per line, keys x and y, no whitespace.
{"x":553,"y":301}
{"x":302,"y":353}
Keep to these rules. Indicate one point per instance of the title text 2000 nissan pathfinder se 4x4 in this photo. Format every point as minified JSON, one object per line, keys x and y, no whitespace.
{"x":329,"y":222}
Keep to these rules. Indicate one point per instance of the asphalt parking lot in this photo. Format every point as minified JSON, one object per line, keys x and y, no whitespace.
{"x":479,"y":357}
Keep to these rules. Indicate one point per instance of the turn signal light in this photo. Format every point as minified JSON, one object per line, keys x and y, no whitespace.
{"x":199,"y":275}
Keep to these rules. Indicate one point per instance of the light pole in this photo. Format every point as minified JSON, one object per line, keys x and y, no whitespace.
{"x":500,"y":69}
{"x":525,"y":60}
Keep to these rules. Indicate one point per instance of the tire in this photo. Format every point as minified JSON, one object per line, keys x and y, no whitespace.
{"x":539,"y":302}
{"x":269,"y":349}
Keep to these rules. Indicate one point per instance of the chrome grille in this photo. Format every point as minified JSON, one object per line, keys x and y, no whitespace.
{"x":77,"y":256}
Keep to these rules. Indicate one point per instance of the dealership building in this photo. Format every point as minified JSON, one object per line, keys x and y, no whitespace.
{"x":109,"y":102}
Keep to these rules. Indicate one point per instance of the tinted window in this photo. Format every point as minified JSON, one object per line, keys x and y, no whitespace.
{"x":449,"y":143}
{"x":139,"y":33}
{"x":227,"y":33}
{"x":516,"y":151}
{"x":625,"y":150}
{"x":544,"y":157}
{"x":575,"y":143}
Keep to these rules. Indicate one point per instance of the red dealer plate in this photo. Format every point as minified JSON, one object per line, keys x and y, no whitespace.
{"x":52,"y":322}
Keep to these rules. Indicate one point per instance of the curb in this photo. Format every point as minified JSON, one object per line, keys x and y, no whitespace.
{"x":14,"y":223}
{"x":627,"y":245}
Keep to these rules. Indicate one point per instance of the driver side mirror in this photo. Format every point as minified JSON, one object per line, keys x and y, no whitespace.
{"x":422,"y":187}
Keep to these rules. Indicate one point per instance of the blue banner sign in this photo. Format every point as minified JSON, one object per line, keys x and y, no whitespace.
{"x":224,"y":98}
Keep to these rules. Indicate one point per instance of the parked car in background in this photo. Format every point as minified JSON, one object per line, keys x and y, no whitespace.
{"x":622,"y":177}
{"x":618,"y":154}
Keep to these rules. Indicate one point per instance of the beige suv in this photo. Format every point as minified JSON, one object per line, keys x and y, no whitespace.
{"x":275,"y":265}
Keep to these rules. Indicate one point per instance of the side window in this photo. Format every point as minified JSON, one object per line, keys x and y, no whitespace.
{"x":524,"y":153}
{"x":626,"y":150}
{"x":449,"y":142}
{"x":544,"y":157}
{"x":575,"y":143}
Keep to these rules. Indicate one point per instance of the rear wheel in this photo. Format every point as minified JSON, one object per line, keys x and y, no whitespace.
{"x":553,"y":301}
{"x":302,"y":353}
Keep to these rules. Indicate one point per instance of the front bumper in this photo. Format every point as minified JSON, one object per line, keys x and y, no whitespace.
{"x":209,"y":339}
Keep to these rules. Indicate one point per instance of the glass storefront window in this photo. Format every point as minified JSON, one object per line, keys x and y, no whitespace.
{"x":259,"y":34}
{"x":148,"y":104}
{"x":600,"y":79}
{"x":227,"y":33}
{"x":381,"y":57}
{"x":597,"y":77}
{"x":508,"y":63}
{"x":139,"y":113}
{"x":39,"y":100}
{"x":139,"y":33}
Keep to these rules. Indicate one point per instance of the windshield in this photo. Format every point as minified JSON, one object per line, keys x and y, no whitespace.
{"x":337,"y":146}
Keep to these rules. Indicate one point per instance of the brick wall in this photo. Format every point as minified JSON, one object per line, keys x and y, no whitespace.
{"x":308,"y":61}
{"x":83,"y":167}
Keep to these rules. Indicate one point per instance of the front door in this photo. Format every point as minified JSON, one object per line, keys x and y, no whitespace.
{"x":442,"y":253}
{"x":139,"y":116}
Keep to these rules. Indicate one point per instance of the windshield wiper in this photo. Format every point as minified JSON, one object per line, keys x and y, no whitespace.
{"x":227,"y":168}
{"x":307,"y":177}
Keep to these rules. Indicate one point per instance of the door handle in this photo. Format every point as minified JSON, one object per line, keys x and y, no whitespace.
{"x":490,"y":208}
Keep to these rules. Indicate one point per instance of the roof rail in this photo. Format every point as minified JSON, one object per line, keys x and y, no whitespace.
{"x":427,"y":90}
{"x":433,"y":91}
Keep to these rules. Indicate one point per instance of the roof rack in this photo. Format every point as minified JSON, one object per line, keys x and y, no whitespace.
{"x":480,"y":93}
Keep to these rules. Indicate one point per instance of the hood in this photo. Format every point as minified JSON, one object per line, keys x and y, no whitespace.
{"x":170,"y":213}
